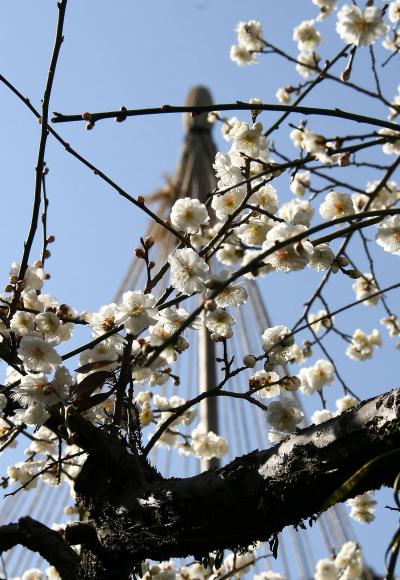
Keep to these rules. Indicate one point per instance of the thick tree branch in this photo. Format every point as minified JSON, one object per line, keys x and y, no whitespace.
{"x":39,"y":538}
{"x":252,"y":498}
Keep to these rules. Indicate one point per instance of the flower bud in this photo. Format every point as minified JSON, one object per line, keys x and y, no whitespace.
{"x":344,"y":159}
{"x":149,"y":242}
{"x":342,"y":261}
{"x":354,"y":274}
{"x":213,"y":284}
{"x":268,"y":367}
{"x":210,"y":305}
{"x":345,"y":75}
{"x":120,"y":118}
{"x":140,"y":253}
{"x":291,"y":383}
{"x":249,"y":361}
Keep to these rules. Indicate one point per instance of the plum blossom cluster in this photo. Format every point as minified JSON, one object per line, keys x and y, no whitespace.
{"x":342,"y":404}
{"x":362,"y":345}
{"x":250,"y":40}
{"x":158,"y":409}
{"x":363,"y":507}
{"x":347,"y":564}
{"x":235,"y":565}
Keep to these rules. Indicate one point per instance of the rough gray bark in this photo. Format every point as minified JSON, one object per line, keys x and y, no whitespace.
{"x":39,"y":538}
{"x":134,"y":516}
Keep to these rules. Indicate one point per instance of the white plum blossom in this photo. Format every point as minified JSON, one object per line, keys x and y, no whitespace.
{"x":292,"y":256}
{"x":392,"y":42}
{"x":227,"y":203}
{"x":394,"y":11}
{"x":297,"y":137}
{"x":307,"y":64}
{"x":392,"y":146}
{"x":37,"y":388}
{"x":322,"y":258}
{"x":321,"y":416}
{"x":265,"y":198}
{"x":240,"y":55}
{"x":326,"y":570}
{"x":325,"y":7}
{"x":43,"y":442}
{"x":103,"y":320}
{"x":316,"y":145}
{"x":297,"y":212}
{"x":362,"y":346}
{"x":219,"y":322}
{"x":35,"y":414}
{"x":250,"y":34}
{"x":250,"y":141}
{"x":34,"y":275}
{"x":301,"y":180}
{"x":363,"y":507}
{"x":137,"y":311}
{"x":306,"y":35}
{"x":105,"y":350}
{"x":264,"y":383}
{"x":54,"y":331}
{"x":254,"y":231}
{"x":320,"y":320}
{"x":170,"y":319}
{"x":226,"y":127}
{"x":388,"y":234}
{"x":383,"y":196}
{"x":21,"y":472}
{"x":226,"y":173}
{"x":360,"y":27}
{"x":336,"y":205}
{"x":37,"y":354}
{"x":365,"y":286}
{"x":206,"y":445}
{"x":391,"y":323}
{"x":316,"y":377}
{"x":241,"y":563}
{"x":349,"y":561}
{"x":277,"y":342}
{"x":188,"y":214}
{"x":22,"y":323}
{"x":260,"y":269}
{"x":188,"y":271}
{"x":232,"y":295}
{"x":284,"y":415}
{"x":345,"y":403}
{"x":229,"y":254}
{"x":283,"y":95}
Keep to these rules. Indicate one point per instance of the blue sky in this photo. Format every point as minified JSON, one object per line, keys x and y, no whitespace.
{"x":141,"y":54}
